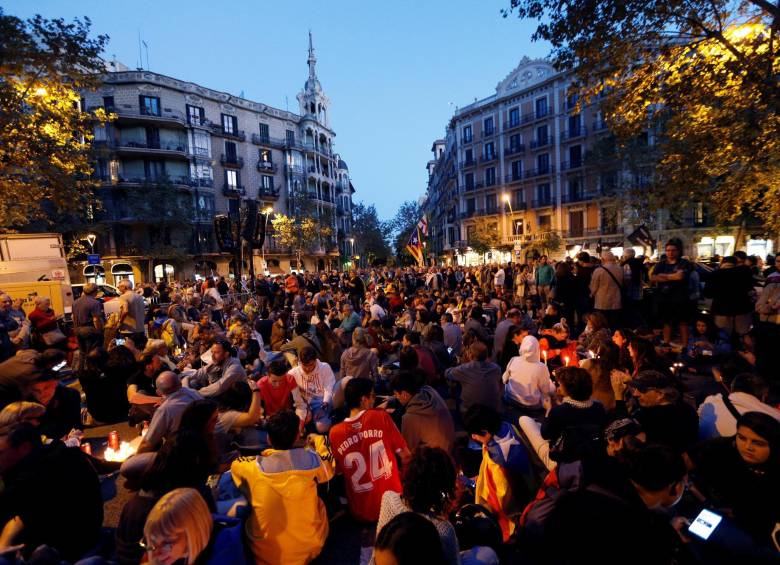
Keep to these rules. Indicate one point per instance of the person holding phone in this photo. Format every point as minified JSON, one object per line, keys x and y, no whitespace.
{"x":739,"y":476}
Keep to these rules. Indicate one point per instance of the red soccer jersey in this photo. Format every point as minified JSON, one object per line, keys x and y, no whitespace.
{"x":364,"y":448}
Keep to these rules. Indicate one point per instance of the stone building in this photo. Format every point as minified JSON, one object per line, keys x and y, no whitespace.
{"x":527,"y":162}
{"x":180,"y":153}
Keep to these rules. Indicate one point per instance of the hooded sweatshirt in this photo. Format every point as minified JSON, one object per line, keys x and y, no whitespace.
{"x":359,"y":362}
{"x":288,"y":523}
{"x":526,"y":378}
{"x":428,"y":420}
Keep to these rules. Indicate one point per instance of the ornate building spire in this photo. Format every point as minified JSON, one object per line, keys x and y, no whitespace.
{"x":312,"y":59}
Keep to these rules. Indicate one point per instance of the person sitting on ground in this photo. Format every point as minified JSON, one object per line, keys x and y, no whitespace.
{"x":528,"y":385}
{"x":278,"y":389}
{"x":577,"y":410}
{"x":741,"y":473}
{"x":105,"y":390}
{"x":240,"y":408}
{"x":359,"y":360}
{"x":428,"y":488}
{"x":283,"y":482}
{"x":718,"y":413}
{"x":596,"y":331}
{"x":141,"y":392}
{"x":511,"y":347}
{"x":315,"y":380}
{"x":409,"y":539}
{"x":479,"y":378}
{"x":62,"y":403}
{"x":51,"y":495}
{"x":504,"y":483}
{"x":426,"y":418}
{"x":304,"y":335}
{"x":166,"y":419}
{"x":219,"y":375}
{"x":21,"y":411}
{"x":178,"y":529}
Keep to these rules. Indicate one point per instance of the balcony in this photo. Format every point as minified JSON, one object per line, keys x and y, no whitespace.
{"x":488,"y":133}
{"x":512,"y":125}
{"x":468,"y":214}
{"x":468,"y":163}
{"x":543,"y":202}
{"x":514,"y":149}
{"x":581,"y":131}
{"x":141,"y":148}
{"x":200,"y":183}
{"x":542,"y":142}
{"x":267,"y":141}
{"x":202,"y":152}
{"x":232,"y":161}
{"x":143,"y":116}
{"x":513,"y":178}
{"x":533,"y":116}
{"x":293,"y":169}
{"x":579,"y":196}
{"x":233,"y":191}
{"x":572,"y":165}
{"x":599,"y":125}
{"x":466,"y":140}
{"x":539,"y":171}
{"x":217,"y":129}
{"x":488,"y":158}
{"x":266,"y":166}
{"x":268,"y":192}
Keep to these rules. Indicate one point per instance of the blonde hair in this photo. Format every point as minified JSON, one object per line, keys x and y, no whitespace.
{"x":181,"y":510}
{"x":20,"y":412}
{"x":153,"y":345}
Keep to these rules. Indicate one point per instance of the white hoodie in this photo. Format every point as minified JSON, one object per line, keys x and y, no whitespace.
{"x":526,"y":378}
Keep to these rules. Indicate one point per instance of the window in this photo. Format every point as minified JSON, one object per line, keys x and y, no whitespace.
{"x":265,"y":156}
{"x":469,"y":179}
{"x":576,"y":223}
{"x":541,"y":107}
{"x":490,"y":176}
{"x":517,"y":226}
{"x":541,"y":135}
{"x":571,"y":100}
{"x":290,"y":137}
{"x":150,"y":105}
{"x":230,"y":152}
{"x":267,"y":182}
{"x":514,"y":143}
{"x":108,"y":103}
{"x":231,"y":179}
{"x":229,"y":124}
{"x":543,"y":163}
{"x":113,"y":170}
{"x":609,"y":220}
{"x":490,"y":150}
{"x":543,"y":193}
{"x":545,"y":222}
{"x":201,"y":143}
{"x":517,"y":170}
{"x":575,"y":155}
{"x":154,"y":170}
{"x":100,"y":133}
{"x":264,"y":135}
{"x":470,"y":205}
{"x":469,"y":156}
{"x":196,"y":116}
{"x":575,"y":191}
{"x":467,"y":134}
{"x":491,"y":202}
{"x":233,"y":207}
{"x":152,"y":138}
{"x":574,"y":125}
{"x":488,"y":126}
{"x":514,"y":117}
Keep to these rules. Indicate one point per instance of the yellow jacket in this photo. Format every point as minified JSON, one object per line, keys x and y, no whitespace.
{"x":288,"y":523}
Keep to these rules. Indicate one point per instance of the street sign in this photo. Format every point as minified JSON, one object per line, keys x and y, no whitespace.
{"x":93,"y":259}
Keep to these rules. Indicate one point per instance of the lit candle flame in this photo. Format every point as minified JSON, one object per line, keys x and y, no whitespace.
{"x":125,"y":450}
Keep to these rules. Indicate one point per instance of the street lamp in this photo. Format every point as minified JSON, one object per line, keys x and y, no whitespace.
{"x":267,"y":211}
{"x":91,"y":237}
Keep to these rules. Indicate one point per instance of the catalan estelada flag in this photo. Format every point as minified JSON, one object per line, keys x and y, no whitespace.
{"x":415,"y":247}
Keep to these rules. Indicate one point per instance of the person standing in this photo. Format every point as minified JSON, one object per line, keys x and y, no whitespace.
{"x":730,"y":288}
{"x":131,"y":309}
{"x":671,"y":277}
{"x":544,"y":277}
{"x":606,"y":288}
{"x":88,"y":321}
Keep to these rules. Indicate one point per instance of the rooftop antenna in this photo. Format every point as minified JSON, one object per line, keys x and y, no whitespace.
{"x":140,"y":56}
{"x":147,"y":54}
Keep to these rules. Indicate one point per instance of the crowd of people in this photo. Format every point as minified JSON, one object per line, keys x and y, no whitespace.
{"x":581,"y":410}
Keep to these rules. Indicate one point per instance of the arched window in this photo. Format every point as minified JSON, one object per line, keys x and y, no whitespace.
{"x":122,"y":271}
{"x":94,"y":274}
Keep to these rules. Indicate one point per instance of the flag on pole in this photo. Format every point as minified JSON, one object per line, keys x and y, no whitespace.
{"x":422,"y":225}
{"x":415,"y":247}
{"x":641,"y":236}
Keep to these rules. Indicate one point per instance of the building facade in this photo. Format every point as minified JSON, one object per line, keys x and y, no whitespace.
{"x":529,"y":164}
{"x":179,"y":153}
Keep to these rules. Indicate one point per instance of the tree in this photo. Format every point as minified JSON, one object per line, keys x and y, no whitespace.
{"x":401,"y":226}
{"x":44,"y":155}
{"x":701,"y":74}
{"x":369,"y":232}
{"x":298,"y":233}
{"x":546,"y":243}
{"x":483,"y":237}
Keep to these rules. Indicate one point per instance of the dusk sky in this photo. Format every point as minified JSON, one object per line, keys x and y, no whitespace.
{"x":394,"y":71}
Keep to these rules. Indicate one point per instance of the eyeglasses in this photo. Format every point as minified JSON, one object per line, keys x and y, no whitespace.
{"x":164,"y":547}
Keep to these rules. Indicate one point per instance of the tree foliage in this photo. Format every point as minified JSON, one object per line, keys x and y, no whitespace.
{"x":301,"y":234}
{"x":369,"y":232}
{"x":43,"y":155}
{"x":401,"y":226}
{"x":701,"y":74}
{"x":484,"y":236}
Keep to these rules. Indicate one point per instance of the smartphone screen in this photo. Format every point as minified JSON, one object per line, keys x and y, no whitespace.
{"x":120,"y":341}
{"x":59,"y":366}
{"x":704,"y":524}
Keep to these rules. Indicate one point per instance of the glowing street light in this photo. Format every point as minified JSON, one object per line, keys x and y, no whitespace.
{"x":268,"y":210}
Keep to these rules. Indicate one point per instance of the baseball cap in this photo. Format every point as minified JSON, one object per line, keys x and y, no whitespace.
{"x":622,"y":428}
{"x":650,"y":379}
